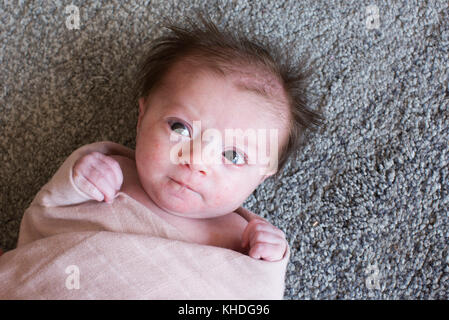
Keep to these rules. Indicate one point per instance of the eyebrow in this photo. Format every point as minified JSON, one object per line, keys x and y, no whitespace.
{"x":191,"y":111}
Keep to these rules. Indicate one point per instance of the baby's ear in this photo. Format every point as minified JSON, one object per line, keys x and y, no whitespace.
{"x":142,"y":106}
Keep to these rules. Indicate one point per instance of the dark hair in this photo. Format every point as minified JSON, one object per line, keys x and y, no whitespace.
{"x":224,"y":52}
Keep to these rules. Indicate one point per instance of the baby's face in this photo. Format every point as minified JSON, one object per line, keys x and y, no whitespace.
{"x":170,"y":147}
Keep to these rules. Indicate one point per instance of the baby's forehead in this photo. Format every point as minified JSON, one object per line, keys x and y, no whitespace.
{"x":265,"y":86}
{"x":261,"y":83}
{"x":255,"y":79}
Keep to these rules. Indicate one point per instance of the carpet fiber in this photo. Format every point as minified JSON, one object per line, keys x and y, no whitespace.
{"x":364,"y":205}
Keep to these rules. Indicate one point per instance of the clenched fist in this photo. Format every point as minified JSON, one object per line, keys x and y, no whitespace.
{"x":98,"y":175}
{"x":263,"y":240}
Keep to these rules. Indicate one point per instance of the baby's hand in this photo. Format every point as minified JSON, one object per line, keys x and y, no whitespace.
{"x":265,"y":241}
{"x":98,"y":175}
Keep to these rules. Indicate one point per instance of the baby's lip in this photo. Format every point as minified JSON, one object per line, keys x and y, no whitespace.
{"x":183,"y":184}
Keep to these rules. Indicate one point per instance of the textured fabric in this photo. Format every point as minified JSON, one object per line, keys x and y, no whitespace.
{"x":121,"y":250}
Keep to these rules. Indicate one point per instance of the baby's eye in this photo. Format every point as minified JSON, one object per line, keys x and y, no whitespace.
{"x":234,"y":157}
{"x":180,"y":128}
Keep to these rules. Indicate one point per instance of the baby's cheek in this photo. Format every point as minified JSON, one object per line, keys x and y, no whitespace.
{"x":217,"y":199}
{"x":157,"y":154}
{"x":157,"y":146}
{"x":223,"y":195}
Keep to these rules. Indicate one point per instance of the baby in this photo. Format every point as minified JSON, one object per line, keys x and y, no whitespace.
{"x":193,"y":81}
{"x":151,"y":223}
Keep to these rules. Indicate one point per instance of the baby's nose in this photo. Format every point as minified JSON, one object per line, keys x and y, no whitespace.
{"x":200,"y":158}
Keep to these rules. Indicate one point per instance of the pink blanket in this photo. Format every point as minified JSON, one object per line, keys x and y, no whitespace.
{"x":72,"y":247}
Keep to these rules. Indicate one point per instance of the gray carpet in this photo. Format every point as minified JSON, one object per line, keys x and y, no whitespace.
{"x":365,"y":204}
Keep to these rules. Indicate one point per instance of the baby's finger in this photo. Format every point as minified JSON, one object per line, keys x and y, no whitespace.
{"x":267,"y":251}
{"x":102,"y":182}
{"x":258,"y":225}
{"x":87,"y":187}
{"x":266,"y":237}
{"x":106,"y":189}
{"x":247,"y":214}
{"x":272,"y":229}
{"x":250,"y":228}
{"x":111,"y":168}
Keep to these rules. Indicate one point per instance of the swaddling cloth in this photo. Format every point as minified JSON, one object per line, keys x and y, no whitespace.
{"x":84,"y":249}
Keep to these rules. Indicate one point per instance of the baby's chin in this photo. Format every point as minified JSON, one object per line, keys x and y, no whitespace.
{"x":180,"y":201}
{"x":191,"y":211}
{"x":169,"y":197}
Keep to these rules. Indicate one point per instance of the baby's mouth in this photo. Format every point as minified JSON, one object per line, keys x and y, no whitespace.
{"x":183,"y":184}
